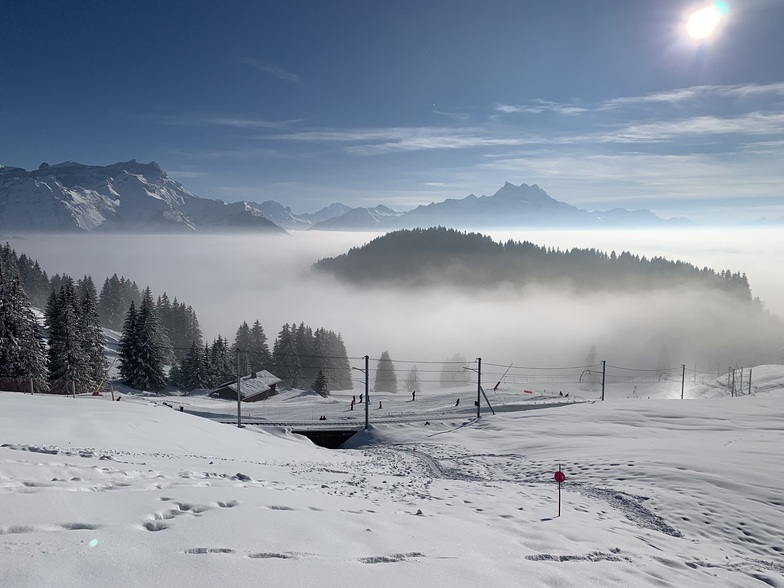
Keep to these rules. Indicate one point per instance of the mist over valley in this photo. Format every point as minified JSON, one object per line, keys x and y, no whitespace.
{"x":229,"y":279}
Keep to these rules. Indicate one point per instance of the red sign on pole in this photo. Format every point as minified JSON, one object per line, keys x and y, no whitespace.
{"x":559,"y":477}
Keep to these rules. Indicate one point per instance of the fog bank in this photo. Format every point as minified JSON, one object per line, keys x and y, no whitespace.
{"x":230,"y":279}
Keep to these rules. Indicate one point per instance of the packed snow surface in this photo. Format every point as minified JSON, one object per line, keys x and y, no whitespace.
{"x":658,"y":492}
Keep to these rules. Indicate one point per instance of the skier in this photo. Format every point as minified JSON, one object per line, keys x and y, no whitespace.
{"x":353,"y":400}
{"x":413,"y":396}
{"x":379,"y":405}
{"x":360,"y":398}
{"x":458,"y":402}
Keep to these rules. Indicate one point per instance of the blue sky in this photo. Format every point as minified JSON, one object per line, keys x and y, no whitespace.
{"x":603,"y":103}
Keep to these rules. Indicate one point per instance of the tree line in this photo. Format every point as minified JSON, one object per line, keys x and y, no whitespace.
{"x":437,"y":254}
{"x":160,"y":343}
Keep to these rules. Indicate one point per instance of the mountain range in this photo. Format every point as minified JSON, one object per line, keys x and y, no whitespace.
{"x":126,"y":196}
{"x":138,"y":197}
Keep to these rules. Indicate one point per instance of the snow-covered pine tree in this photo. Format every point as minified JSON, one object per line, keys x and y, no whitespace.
{"x":128,"y":348}
{"x":143,"y":347}
{"x":192,"y":369}
{"x":67,"y":360}
{"x":222,"y":367}
{"x":93,"y":340}
{"x":22,"y":349}
{"x":386,"y":379}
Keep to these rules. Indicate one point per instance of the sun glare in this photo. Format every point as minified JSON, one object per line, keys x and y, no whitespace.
{"x":702,"y":23}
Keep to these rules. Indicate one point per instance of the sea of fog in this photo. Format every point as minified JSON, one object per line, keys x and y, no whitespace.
{"x":230,"y":279}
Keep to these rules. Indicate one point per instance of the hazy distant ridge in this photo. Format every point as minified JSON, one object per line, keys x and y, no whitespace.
{"x":125,"y":196}
{"x":440,"y":255}
{"x":510,"y":207}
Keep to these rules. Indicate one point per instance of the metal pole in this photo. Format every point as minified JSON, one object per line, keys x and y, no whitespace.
{"x":740,"y":386}
{"x":750,"y":370}
{"x":604,"y":371}
{"x":367,"y":396}
{"x":559,"y":493}
{"x":478,"y":386}
{"x":31,"y":385}
{"x":683,"y":380}
{"x":73,"y":388}
{"x":239,"y":395}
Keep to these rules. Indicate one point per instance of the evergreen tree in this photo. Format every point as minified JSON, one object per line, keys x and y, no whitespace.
{"x":190,"y":372}
{"x":590,"y":359}
{"x":285,"y":358}
{"x":193,"y":369}
{"x":341,"y":376}
{"x":322,"y":353}
{"x":127,"y":349}
{"x":242,"y":348}
{"x":67,"y":360}
{"x":412,"y":381}
{"x":115,"y":298}
{"x":143,"y":347}
{"x":321,"y":385}
{"x":260,"y":357}
{"x":34,"y":280}
{"x":309,"y":360}
{"x":386,"y":379}
{"x":221,"y":366}
{"x":453,"y":374}
{"x":22,"y":348}
{"x":93,"y":340}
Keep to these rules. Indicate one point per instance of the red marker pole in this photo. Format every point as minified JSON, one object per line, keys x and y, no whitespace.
{"x":559,"y":477}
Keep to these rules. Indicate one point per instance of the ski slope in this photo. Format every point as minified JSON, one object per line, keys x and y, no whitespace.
{"x":658,"y":492}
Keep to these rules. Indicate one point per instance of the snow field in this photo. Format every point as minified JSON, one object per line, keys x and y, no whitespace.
{"x":658,"y":493}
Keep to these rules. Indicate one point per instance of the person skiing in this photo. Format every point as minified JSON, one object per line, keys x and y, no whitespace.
{"x":379,"y":405}
{"x":458,"y":402}
{"x":413,"y":396}
{"x":353,"y":400}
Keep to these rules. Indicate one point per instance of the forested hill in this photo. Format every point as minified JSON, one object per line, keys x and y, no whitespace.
{"x":440,"y":255}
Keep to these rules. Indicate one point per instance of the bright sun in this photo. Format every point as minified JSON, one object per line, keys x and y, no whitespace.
{"x":702,"y":23}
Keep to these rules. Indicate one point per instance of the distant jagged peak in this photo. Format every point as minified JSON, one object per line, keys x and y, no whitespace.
{"x":521,"y":192}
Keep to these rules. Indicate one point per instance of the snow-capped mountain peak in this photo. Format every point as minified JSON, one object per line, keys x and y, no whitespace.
{"x":124,"y":196}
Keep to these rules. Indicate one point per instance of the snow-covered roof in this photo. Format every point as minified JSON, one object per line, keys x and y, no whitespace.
{"x":251,"y":386}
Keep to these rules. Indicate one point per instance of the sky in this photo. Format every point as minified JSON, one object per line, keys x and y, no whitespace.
{"x":602,"y":103}
{"x":658,"y":492}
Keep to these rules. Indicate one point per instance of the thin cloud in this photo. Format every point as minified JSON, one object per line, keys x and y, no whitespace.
{"x":681,"y":95}
{"x":538,"y":106}
{"x":673,"y":97}
{"x":228,"y":121}
{"x":403,"y":139}
{"x":272,"y":69}
{"x":753,"y":123}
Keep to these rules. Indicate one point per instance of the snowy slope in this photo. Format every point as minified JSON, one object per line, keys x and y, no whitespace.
{"x":658,"y":493}
{"x":125,"y":196}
